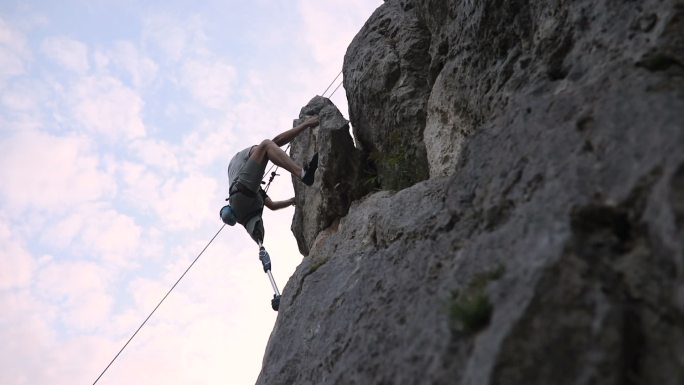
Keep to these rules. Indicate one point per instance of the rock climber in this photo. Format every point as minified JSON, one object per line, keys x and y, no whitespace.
{"x":245,"y":172}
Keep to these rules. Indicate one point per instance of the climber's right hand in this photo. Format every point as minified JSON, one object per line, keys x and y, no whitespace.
{"x":312,"y":121}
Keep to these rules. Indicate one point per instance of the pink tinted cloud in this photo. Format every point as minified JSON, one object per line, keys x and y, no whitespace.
{"x":48,"y":172}
{"x":104,"y":105}
{"x":97,"y":232}
{"x":210,"y":81}
{"x":185,"y":203}
{"x":329,"y":26}
{"x":17,"y":263}
{"x":68,"y":53}
{"x":176,"y":37}
{"x":81,"y":291}
{"x":14,"y":52}
{"x":156,"y":153}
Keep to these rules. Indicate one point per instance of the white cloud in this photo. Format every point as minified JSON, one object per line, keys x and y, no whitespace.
{"x":47,"y":172}
{"x":115,"y":236}
{"x":23,"y":95}
{"x":80,"y":289}
{"x":140,"y":186}
{"x":105,"y":106}
{"x":329,"y":26}
{"x":97,"y":232}
{"x":126,"y":56}
{"x":185,"y":203}
{"x":69,"y":53}
{"x":26,"y":335}
{"x":17,"y":263}
{"x":179,"y":203}
{"x":209,"y":142}
{"x":14,"y":52}
{"x":176,"y":37}
{"x":156,"y":153}
{"x":210,"y":81}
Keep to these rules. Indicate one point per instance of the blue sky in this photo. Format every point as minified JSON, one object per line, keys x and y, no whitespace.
{"x":117,"y":121}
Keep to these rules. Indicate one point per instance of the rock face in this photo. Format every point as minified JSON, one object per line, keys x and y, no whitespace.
{"x":386,"y":79}
{"x":335,"y":184}
{"x":547,"y":246}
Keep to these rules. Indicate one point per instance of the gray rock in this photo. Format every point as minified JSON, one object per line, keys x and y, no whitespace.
{"x":553,"y":250}
{"x":335,"y":184}
{"x":385,"y":76}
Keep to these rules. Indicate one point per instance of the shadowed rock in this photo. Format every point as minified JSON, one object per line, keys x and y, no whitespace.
{"x":335,"y":182}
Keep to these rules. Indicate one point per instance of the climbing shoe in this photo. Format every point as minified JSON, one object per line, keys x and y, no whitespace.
{"x":310,"y":171}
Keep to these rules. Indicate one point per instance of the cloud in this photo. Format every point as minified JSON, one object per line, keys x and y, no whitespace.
{"x":329,"y":26}
{"x":49,"y":172}
{"x":185,"y":203}
{"x":14,"y":52}
{"x":69,"y":53}
{"x":156,"y":153}
{"x":24,"y":95}
{"x":26,"y":334}
{"x":97,"y":232}
{"x":80,"y":289}
{"x":102,"y":104}
{"x":176,"y":37}
{"x":125,"y":56}
{"x":36,"y":351}
{"x":140,"y":185}
{"x":210,"y":81}
{"x":209,"y":142}
{"x":113,"y":235}
{"x":179,"y":203}
{"x":17,"y":263}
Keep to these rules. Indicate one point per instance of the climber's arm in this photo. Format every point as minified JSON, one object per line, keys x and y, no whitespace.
{"x":277,"y":205}
{"x":287,"y":136}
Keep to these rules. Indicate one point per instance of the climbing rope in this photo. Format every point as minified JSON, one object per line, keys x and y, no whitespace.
{"x":331,"y":83}
{"x":273,"y":174}
{"x":160,"y":302}
{"x":333,"y":93}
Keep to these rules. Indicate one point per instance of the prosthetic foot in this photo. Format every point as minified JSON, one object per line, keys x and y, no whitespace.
{"x":266,"y":264}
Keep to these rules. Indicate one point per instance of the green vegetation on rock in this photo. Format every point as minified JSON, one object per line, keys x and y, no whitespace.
{"x":470,"y":310}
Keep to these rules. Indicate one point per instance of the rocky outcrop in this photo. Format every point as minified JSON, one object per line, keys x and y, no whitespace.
{"x":386,"y":79}
{"x":424,"y":75}
{"x":546,"y":247}
{"x":336,"y":183}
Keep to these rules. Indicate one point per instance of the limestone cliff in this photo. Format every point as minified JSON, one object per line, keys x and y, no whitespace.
{"x":512,"y":211}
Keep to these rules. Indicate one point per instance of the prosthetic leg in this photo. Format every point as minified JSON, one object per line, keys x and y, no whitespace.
{"x":266,"y":263}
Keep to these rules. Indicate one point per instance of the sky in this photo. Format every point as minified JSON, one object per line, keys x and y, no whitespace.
{"x":117,"y":121}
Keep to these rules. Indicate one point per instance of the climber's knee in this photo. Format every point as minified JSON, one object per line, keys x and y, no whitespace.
{"x":260,"y":152}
